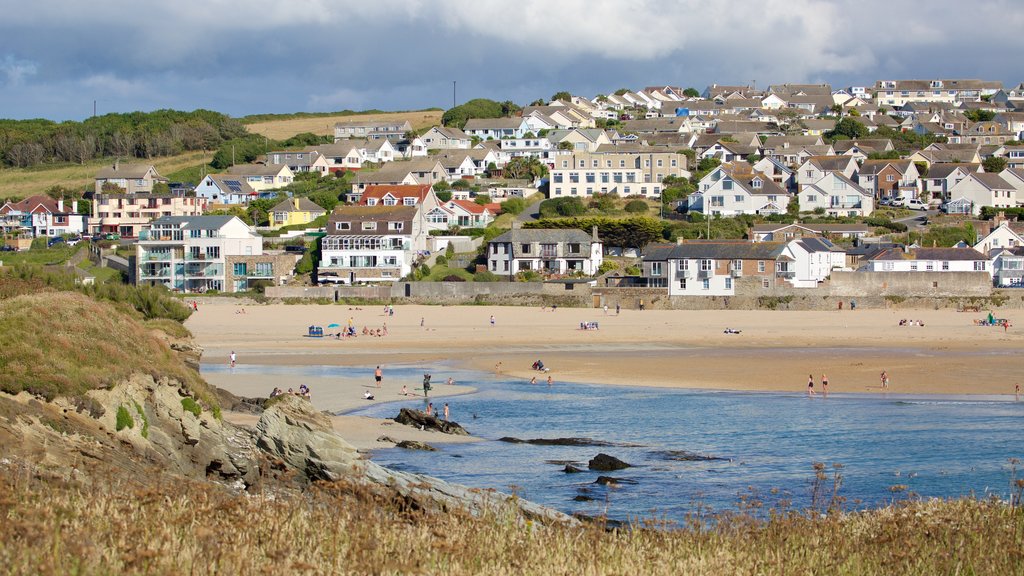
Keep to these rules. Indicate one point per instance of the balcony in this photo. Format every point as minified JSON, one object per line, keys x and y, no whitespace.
{"x":155,"y":273}
{"x":688,"y":273}
{"x":548,"y":254}
{"x":204,"y":272}
{"x":736,"y":272}
{"x":785,"y":274}
{"x":705,"y":274}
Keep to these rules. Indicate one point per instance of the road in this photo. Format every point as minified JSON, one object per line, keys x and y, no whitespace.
{"x":917,"y":219}
{"x":532,"y":212}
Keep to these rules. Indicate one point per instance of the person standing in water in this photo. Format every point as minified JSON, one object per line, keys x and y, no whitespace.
{"x":824,"y":385}
{"x":810,"y":386}
{"x":430,"y":408}
{"x":378,"y":375}
{"x":446,"y":411}
{"x":549,"y":380}
{"x":885,"y":379}
{"x":232,"y":358}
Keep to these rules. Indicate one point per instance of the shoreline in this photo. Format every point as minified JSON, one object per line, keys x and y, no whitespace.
{"x":775,"y":351}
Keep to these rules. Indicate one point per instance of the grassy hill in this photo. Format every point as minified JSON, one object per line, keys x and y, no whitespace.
{"x":281,"y":129}
{"x":18,"y":183}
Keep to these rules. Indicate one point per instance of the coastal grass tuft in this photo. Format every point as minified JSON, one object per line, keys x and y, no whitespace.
{"x":189,"y":405}
{"x":124,"y":419}
{"x":181,"y":527}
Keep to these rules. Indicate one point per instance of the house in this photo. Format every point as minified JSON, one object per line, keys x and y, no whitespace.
{"x":896,"y":93}
{"x":580,"y":140}
{"x":984,"y":189}
{"x":1008,"y":267}
{"x":654,"y":125}
{"x":727,"y":150}
{"x":371,"y":130}
{"x":989,"y":132}
{"x":547,"y":251}
{"x":889,"y":178}
{"x":815,"y":167}
{"x":205,"y":253}
{"x":458,"y":165}
{"x":371,"y":243}
{"x":1014,"y":155}
{"x":786,"y":232}
{"x":733,"y":188}
{"x":129,"y":178}
{"x":1015,"y":178}
{"x":928,"y":260}
{"x":400,"y":195}
{"x":42,"y":216}
{"x":262,"y":177}
{"x":128,"y":214}
{"x":413,"y":147}
{"x":956,"y":155}
{"x":530,"y":147}
{"x":784,"y":148}
{"x":837,"y":195}
{"x":344,"y":155}
{"x":777,"y":171}
{"x":496,"y":128}
{"x":469,"y":214}
{"x":713,"y":268}
{"x":295,"y":211}
{"x":419,"y":171}
{"x":300,"y":160}
{"x":942,"y":177}
{"x":226,"y":189}
{"x":816,"y":126}
{"x":1013,"y":122}
{"x":613,"y":170}
{"x":447,"y":138}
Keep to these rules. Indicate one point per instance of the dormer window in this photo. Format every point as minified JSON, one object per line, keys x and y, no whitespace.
{"x":756,"y":182}
{"x":371,"y":201}
{"x":409,"y":201}
{"x":368,"y":226}
{"x":342,"y":226}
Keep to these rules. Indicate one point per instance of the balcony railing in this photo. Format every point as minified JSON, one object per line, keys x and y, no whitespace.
{"x":736,"y":272}
{"x":549,"y":253}
{"x":706,"y":274}
{"x":785,"y":273}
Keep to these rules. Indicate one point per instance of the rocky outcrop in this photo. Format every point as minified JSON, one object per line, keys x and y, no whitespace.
{"x":304,"y":439}
{"x":566,"y":442}
{"x":570,"y":469}
{"x":420,"y":420}
{"x":605,"y":463}
{"x":415,"y":445}
{"x":613,"y":481}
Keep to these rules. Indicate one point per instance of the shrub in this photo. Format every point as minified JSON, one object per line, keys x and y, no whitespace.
{"x":607,"y":266}
{"x":633,"y":271}
{"x":190,"y":405}
{"x":562,"y":207}
{"x":513,"y":206}
{"x":527,"y":276}
{"x":124,"y":419}
{"x":453,"y":278}
{"x":145,"y":421}
{"x":449,"y":251}
{"x":636,"y":206}
{"x":442,"y":260}
{"x":424,"y":270}
{"x":485,"y":276}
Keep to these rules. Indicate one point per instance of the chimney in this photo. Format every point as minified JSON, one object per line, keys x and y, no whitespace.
{"x":295,"y":201}
{"x":60,"y":205}
{"x":593,"y":234}
{"x":74,"y":206}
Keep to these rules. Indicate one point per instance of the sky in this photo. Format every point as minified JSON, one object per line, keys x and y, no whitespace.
{"x":58,"y":57}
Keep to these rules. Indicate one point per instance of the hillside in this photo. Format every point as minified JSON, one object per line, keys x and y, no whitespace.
{"x":324,"y":125}
{"x":18,"y":183}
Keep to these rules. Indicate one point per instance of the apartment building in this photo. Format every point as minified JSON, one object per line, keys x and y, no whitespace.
{"x":128,"y":214}
{"x":637,"y":171}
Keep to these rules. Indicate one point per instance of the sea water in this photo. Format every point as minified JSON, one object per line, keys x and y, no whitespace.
{"x":765,"y":444}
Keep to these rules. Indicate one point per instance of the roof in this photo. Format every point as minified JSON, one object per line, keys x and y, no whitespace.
{"x":715,"y":250}
{"x":229,"y":183}
{"x":469,"y":206}
{"x":792,"y":141}
{"x":820,"y":228}
{"x":543,"y":236}
{"x":948,"y":254}
{"x":126,"y":171}
{"x":944,"y":169}
{"x":493,"y":123}
{"x":831,"y":163}
{"x":305,"y":205}
{"x":876,"y":166}
{"x":451,"y":132}
{"x":195,"y":222}
{"x":991,"y":180}
{"x":370,"y":214}
{"x":256,"y":169}
{"x":378,"y":191}
{"x":31,"y":203}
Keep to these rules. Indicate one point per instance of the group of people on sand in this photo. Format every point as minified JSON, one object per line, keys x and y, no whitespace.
{"x":810,"y":385}
{"x":303,"y":391}
{"x":378,"y":332}
{"x":905,"y":322}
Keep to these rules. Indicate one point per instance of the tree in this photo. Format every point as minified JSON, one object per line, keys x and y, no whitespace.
{"x":161,"y":188}
{"x":563,"y":95}
{"x":111,"y":188}
{"x":523,"y":168}
{"x":621,"y":91}
{"x":691,"y":93}
{"x":994,"y":164}
{"x":979,"y":115}
{"x":847,"y":127}
{"x":477,"y":108}
{"x":636,"y":206}
{"x":513,"y":206}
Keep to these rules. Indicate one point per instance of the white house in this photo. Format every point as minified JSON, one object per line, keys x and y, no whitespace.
{"x":942,"y":177}
{"x":300,"y":160}
{"x":446,"y":138}
{"x":929,"y":260}
{"x":837,"y":195}
{"x":728,"y":191}
{"x":42,"y":216}
{"x":814,"y":168}
{"x":547,"y":251}
{"x":371,"y":244}
{"x":262,"y":177}
{"x":984,"y":189}
{"x":496,"y":128}
{"x":226,"y":189}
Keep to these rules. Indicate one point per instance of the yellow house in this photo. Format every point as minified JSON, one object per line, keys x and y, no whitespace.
{"x":294,"y":211}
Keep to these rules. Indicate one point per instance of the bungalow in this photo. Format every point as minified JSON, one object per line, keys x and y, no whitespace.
{"x":262,"y":177}
{"x":891,"y":178}
{"x":712,"y":268}
{"x":42,"y":216}
{"x":344,"y":155}
{"x":447,"y":138}
{"x":129,"y":178}
{"x":928,"y":260}
{"x":733,"y":189}
{"x":958,"y":156}
{"x":984,"y":189}
{"x":295,"y":211}
{"x":837,"y":195}
{"x":786,"y":232}
{"x":227,"y":189}
{"x":469,"y":214}
{"x":371,"y":244}
{"x":300,"y":160}
{"x":496,"y":128}
{"x":548,"y":251}
{"x":581,"y":140}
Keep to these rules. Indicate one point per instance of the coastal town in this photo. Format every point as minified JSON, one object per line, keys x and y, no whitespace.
{"x":904,"y":188}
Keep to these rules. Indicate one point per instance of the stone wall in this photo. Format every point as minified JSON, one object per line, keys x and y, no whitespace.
{"x":910,"y":284}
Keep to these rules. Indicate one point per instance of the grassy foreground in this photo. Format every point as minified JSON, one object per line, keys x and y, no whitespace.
{"x":52,"y":527}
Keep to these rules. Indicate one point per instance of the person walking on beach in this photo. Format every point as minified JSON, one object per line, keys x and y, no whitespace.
{"x":885,"y":380}
{"x":617,"y":308}
{"x":492,"y":319}
{"x":810,"y":386}
{"x":446,"y":411}
{"x":422,"y":319}
{"x":605,"y":309}
{"x":378,"y":375}
{"x":1016,"y":391}
{"x":824,"y":385}
{"x":232,"y":358}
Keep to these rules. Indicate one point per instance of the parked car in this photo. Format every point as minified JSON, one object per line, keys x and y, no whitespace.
{"x":299,"y":249}
{"x":885,"y":201}
{"x":7,"y":248}
{"x":898,"y":202}
{"x":111,"y":236}
{"x":73,"y":240}
{"x":54,"y":241}
{"x":916,"y":204}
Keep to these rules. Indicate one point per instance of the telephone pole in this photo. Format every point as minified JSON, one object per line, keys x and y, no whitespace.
{"x":453,"y":94}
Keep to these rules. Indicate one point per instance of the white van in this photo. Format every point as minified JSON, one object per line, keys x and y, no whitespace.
{"x":915,"y":204}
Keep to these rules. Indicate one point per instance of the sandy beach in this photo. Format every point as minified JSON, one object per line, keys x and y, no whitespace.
{"x":774,"y":351}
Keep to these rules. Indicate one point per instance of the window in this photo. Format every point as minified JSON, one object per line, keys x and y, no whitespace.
{"x":264,"y":269}
{"x":737,"y":265}
{"x":726,"y":184}
{"x":409,"y":201}
{"x":214,"y":252}
{"x":655,"y":268}
{"x":558,"y":177}
{"x":240,"y":269}
{"x":369,"y":225}
{"x":890,"y":178}
{"x":395,"y":226}
{"x":706,"y":285}
{"x":682,"y":284}
{"x":812,"y":198}
{"x":574,"y":248}
{"x":979,"y":266}
{"x":718,"y":200}
{"x":728,"y":283}
{"x":766,"y":283}
{"x":760,"y":266}
{"x":756,"y":183}
{"x":738,"y":199}
{"x":684,"y":265}
{"x":525,"y":248}
{"x":706,"y":265}
{"x":913,"y":266}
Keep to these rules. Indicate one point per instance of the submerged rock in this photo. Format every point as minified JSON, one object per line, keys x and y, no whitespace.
{"x":612,"y":481}
{"x":686,"y":456}
{"x":582,"y":498}
{"x":605,"y":463}
{"x":415,"y":445}
{"x":567,"y":442}
{"x":570,"y":469}
{"x":420,"y":420}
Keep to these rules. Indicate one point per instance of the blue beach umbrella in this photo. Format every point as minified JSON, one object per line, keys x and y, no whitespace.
{"x":333,"y":325}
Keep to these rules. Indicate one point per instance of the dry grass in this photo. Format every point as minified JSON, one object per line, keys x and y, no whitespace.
{"x":18,"y":183}
{"x":112,"y":527}
{"x":324,"y":125}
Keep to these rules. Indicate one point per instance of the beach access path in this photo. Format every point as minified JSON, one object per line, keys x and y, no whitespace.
{"x":775,"y":351}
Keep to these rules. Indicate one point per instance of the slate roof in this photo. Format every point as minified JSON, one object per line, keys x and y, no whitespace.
{"x":950,"y":254}
{"x":255,"y":169}
{"x":493,"y":123}
{"x":991,"y":180}
{"x":195,"y":222}
{"x":358,"y":214}
{"x":714,"y":250}
{"x":126,"y":171}
{"x":944,"y":169}
{"x":543,"y":236}
{"x":305,"y":205}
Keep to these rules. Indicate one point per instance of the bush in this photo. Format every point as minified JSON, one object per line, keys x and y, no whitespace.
{"x":527,"y":276}
{"x":633,"y":271}
{"x":453,"y":278}
{"x":485,"y":276}
{"x":607,"y":266}
{"x":449,"y":251}
{"x":555,"y":207}
{"x":424,"y":270}
{"x":124,"y":419}
{"x":513,"y":206}
{"x":442,"y":260}
{"x":190,"y":405}
{"x":636,"y":206}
